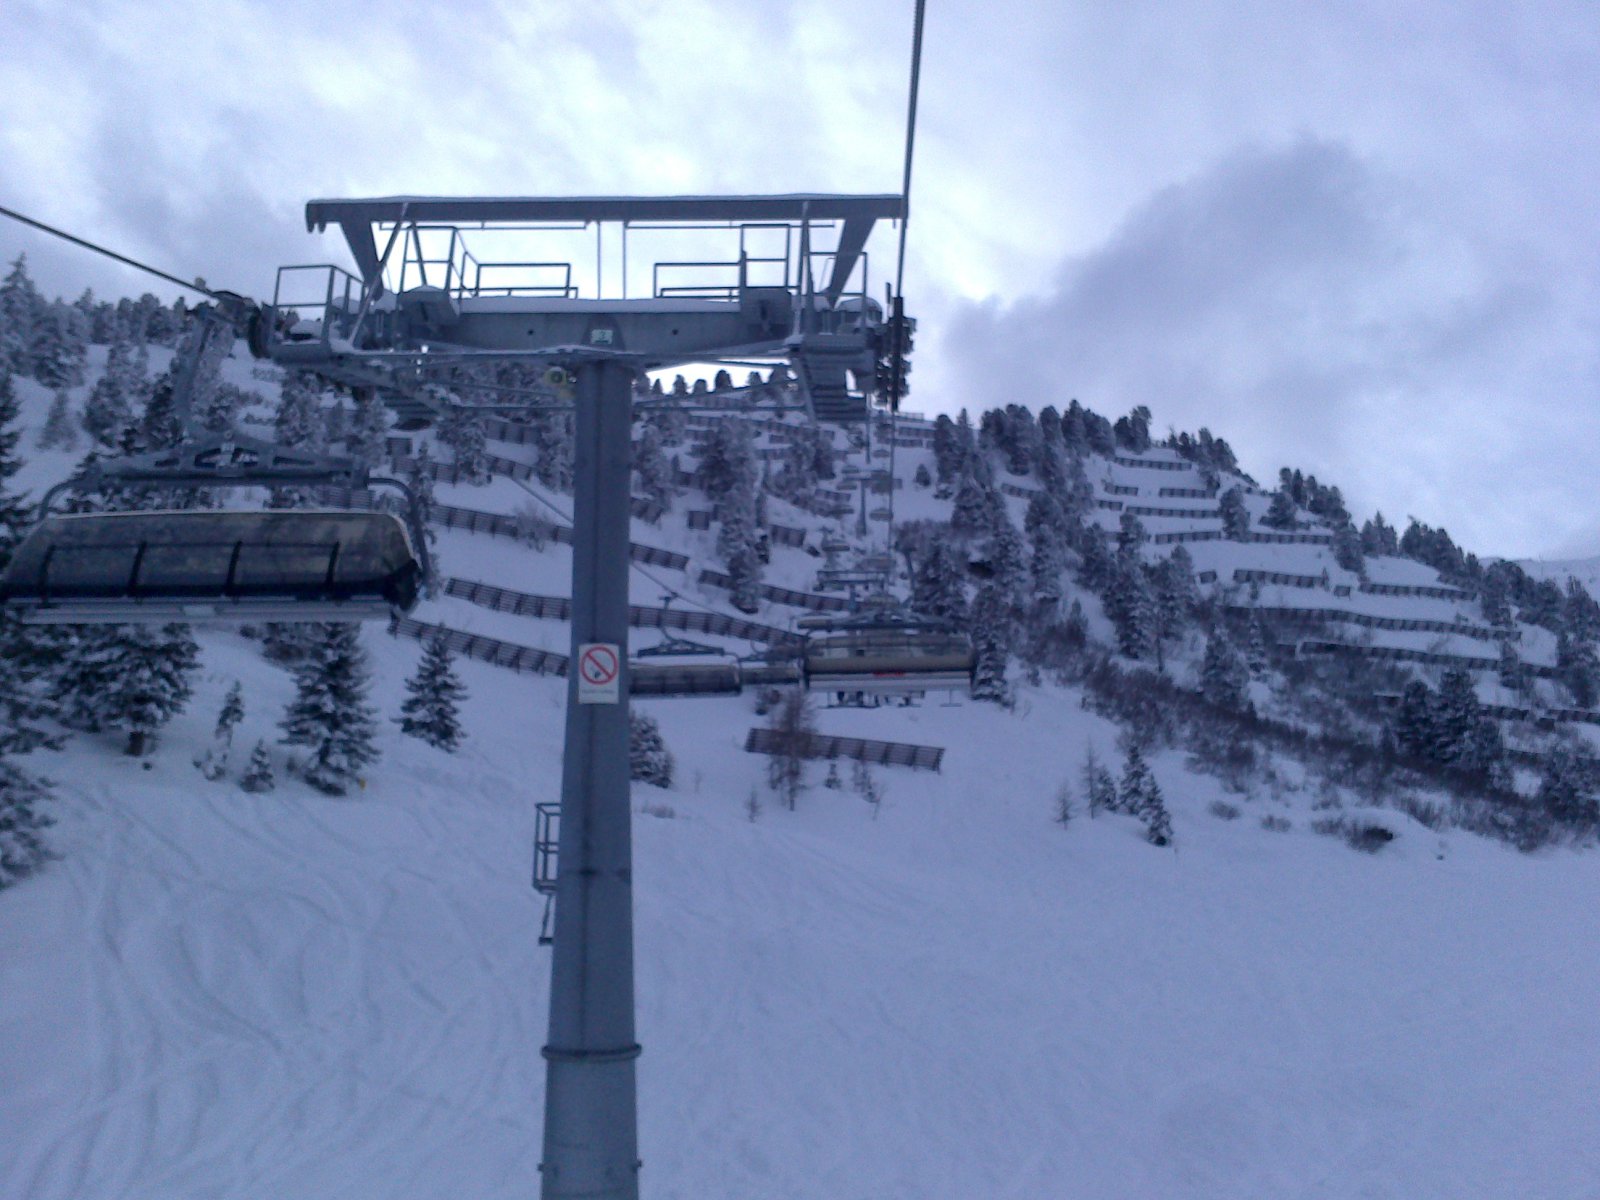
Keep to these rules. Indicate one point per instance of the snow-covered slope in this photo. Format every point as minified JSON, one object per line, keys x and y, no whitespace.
{"x":219,"y":994}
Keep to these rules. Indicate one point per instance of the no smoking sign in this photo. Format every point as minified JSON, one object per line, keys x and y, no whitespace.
{"x":599,"y":673}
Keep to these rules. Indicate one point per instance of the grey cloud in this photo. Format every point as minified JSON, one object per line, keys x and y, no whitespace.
{"x":1299,"y":302}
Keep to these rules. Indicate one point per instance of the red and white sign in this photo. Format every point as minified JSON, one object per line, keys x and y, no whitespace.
{"x":599,"y":673}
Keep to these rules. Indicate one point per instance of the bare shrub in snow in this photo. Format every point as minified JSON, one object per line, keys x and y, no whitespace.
{"x":1277,"y":824}
{"x":1223,"y":810}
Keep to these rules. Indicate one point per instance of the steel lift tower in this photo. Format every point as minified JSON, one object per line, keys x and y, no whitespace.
{"x":791,"y":285}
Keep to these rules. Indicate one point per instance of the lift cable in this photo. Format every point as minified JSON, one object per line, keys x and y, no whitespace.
{"x":112,"y":254}
{"x":911,"y":140}
{"x":900,"y":259}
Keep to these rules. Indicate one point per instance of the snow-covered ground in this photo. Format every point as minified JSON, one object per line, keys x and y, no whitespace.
{"x":224,"y":995}
{"x":217,"y":994}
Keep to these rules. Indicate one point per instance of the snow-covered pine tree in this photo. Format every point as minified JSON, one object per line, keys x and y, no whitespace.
{"x":554,"y":443}
{"x":145,"y":673}
{"x":1456,"y":713}
{"x":462,"y":430}
{"x":1513,"y":675}
{"x":649,"y":760}
{"x":1347,"y":550}
{"x":258,"y":775}
{"x":1097,"y":567}
{"x":652,"y":471}
{"x":1157,"y":820}
{"x":1130,"y":603}
{"x":1134,"y":787}
{"x":60,"y":347}
{"x":938,"y":589}
{"x":110,"y":406}
{"x":1223,"y":674}
{"x":1378,"y":537}
{"x":214,"y":764}
{"x":991,"y":624}
{"x":1099,"y":788}
{"x":60,"y":430}
{"x":1235,"y":517}
{"x":21,"y":309}
{"x":972,"y":511}
{"x":1257,"y":645}
{"x":1008,"y":558}
{"x":368,"y":440}
{"x":299,"y":422}
{"x":1280,"y":512}
{"x":1175,"y":596}
{"x":23,"y":821}
{"x":1578,"y":668}
{"x":1567,"y":787}
{"x":330,"y":715}
{"x":1139,"y":795}
{"x":431,"y":709}
{"x":1414,"y":720}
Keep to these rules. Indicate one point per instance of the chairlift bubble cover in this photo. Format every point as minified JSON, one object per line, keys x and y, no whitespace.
{"x":296,"y":564}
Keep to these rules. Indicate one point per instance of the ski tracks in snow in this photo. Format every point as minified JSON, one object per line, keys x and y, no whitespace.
{"x":289,"y":999}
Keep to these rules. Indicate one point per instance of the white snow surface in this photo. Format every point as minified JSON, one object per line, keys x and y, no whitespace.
{"x":224,"y":995}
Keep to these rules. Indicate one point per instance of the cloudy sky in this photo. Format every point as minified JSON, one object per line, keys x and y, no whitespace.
{"x":1360,"y":239}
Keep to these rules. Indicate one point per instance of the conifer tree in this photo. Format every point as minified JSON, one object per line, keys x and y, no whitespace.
{"x":23,"y":820}
{"x":21,"y":309}
{"x":330,"y":715}
{"x":1097,"y":567}
{"x":1099,"y":788}
{"x":1578,"y":668}
{"x":299,"y":423}
{"x":431,"y":709}
{"x":109,"y":408}
{"x":60,"y":346}
{"x":1414,"y":720}
{"x":1008,"y":557}
{"x":554,"y":443}
{"x":991,"y":626}
{"x":1378,"y":538}
{"x":60,"y":430}
{"x":1140,"y":795}
{"x":1456,"y":713}
{"x":148,"y":681}
{"x":938,"y":589}
{"x":1223,"y":674}
{"x":1567,"y":787}
{"x":1256,"y":649}
{"x":462,"y":430}
{"x":369,"y":433}
{"x":1513,"y":676}
{"x":651,"y":468}
{"x":258,"y":776}
{"x":1130,"y":603}
{"x":1235,"y":517}
{"x":649,"y":760}
{"x":973,"y":509}
{"x":1347,"y":550}
{"x":214,"y":764}
{"x":1280,"y":512}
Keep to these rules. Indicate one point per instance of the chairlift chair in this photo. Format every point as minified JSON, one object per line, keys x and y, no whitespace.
{"x":888,"y":652}
{"x":123,"y":567}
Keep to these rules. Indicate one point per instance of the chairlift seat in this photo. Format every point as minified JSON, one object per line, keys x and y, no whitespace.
{"x":138,"y":567}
